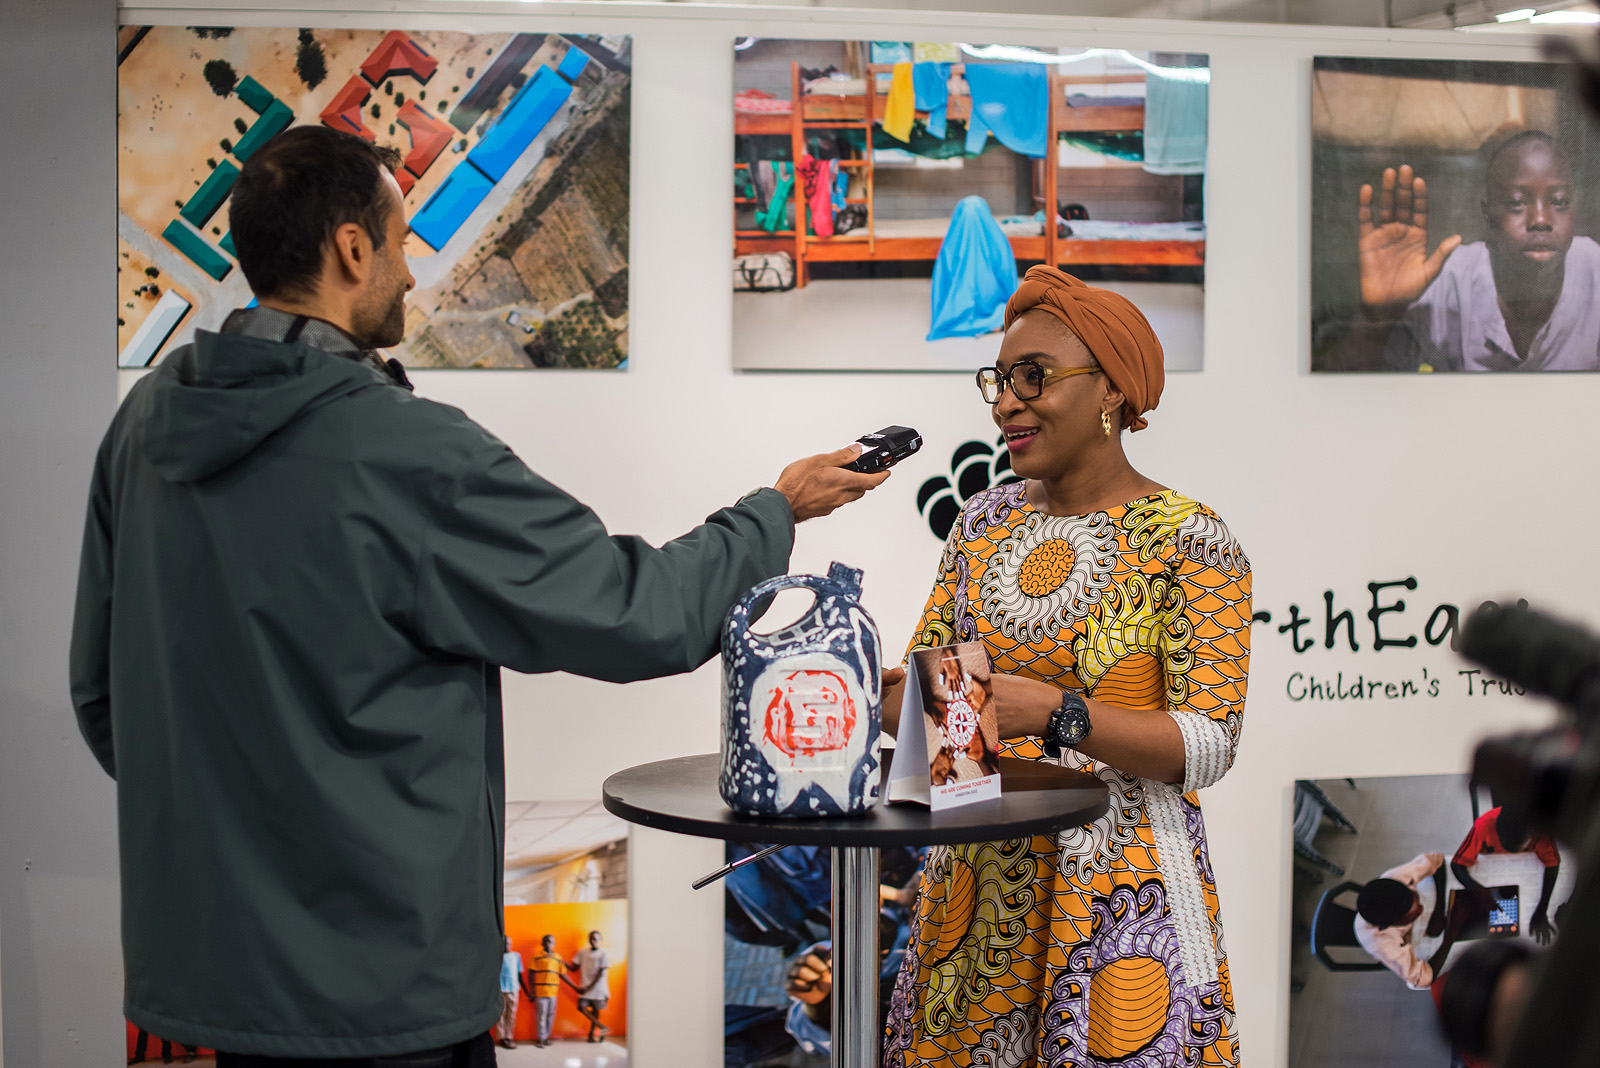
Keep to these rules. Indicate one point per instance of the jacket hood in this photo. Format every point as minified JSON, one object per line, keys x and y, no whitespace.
{"x":213,"y":402}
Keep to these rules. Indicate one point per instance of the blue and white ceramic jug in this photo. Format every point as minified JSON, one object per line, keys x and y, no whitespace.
{"x":800,"y":706}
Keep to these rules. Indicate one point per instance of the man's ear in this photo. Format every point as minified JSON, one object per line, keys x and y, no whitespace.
{"x":352,"y":252}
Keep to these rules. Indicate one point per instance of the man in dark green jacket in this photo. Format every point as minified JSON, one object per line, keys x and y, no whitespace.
{"x":299,"y":582}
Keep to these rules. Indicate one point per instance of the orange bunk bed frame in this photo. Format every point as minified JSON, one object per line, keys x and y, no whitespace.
{"x":821,"y":111}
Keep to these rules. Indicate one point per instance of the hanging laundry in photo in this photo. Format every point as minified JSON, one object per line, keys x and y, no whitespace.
{"x":899,"y":111}
{"x":1013,"y":102}
{"x":931,"y":85}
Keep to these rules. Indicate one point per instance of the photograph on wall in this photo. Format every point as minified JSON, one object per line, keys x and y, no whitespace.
{"x":888,"y":195}
{"x":1454,"y":211}
{"x":777,"y":951}
{"x":1395,"y":878}
{"x":564,"y":976}
{"x":514,"y":168}
{"x":146,"y":1048}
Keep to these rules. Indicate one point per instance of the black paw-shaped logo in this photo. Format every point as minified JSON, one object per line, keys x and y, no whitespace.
{"x":974,"y":467}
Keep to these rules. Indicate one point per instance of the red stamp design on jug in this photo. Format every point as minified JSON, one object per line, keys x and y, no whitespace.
{"x":810,"y":712}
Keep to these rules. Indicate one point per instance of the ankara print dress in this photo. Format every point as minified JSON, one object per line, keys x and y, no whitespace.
{"x":1101,"y":945}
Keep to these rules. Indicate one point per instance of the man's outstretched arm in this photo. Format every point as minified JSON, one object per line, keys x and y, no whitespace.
{"x":516,"y":572}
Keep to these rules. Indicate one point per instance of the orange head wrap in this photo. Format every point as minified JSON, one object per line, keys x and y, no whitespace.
{"x":1116,"y":333}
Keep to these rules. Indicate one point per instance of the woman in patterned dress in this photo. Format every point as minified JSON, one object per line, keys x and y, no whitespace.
{"x":1102,"y":945}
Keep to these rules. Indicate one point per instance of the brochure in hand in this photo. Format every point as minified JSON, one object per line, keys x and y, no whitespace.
{"x":945,"y":752}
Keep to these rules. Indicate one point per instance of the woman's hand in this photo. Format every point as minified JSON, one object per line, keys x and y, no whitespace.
{"x":1024,"y":705}
{"x":891,"y":691}
{"x":1140,"y":742}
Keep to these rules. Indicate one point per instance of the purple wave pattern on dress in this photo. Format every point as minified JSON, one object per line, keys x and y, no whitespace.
{"x":898,"y":1032}
{"x":966,"y":628}
{"x":1196,"y":826}
{"x":990,"y":508}
{"x":1131,"y":923}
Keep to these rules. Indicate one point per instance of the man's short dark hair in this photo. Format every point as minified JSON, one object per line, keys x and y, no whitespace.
{"x":294,"y":193}
{"x":1511,"y":829}
{"x":1495,"y":147}
{"x":1385,"y":902}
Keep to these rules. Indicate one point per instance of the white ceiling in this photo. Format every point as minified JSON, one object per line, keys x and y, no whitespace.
{"x":546,"y":832}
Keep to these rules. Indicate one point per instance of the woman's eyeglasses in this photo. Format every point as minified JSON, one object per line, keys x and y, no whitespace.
{"x":1026,"y":379}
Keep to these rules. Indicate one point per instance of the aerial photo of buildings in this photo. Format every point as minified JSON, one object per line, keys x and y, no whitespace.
{"x":515,"y":173}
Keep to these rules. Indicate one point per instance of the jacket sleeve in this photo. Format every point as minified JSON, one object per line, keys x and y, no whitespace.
{"x":89,"y":658}
{"x":516,"y":572}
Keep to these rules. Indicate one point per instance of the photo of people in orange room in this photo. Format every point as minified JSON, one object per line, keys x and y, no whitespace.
{"x":564,"y":974}
{"x":145,"y":1048}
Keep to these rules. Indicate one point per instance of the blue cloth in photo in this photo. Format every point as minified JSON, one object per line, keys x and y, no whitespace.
{"x":931,"y":83}
{"x":975,"y":274}
{"x":1175,"y":117}
{"x":1012,"y":100}
{"x":510,"y":971}
{"x":841,"y":185}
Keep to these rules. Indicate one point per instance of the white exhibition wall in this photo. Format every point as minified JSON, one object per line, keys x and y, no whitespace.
{"x":1332,"y":482}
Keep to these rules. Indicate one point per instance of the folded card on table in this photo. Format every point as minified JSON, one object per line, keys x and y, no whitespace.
{"x":946,"y":748}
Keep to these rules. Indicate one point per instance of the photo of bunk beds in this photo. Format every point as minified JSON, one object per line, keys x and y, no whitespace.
{"x":860,"y":104}
{"x":887,"y":196}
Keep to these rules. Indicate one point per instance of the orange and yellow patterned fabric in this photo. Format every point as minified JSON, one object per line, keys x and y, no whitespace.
{"x":1101,"y":945}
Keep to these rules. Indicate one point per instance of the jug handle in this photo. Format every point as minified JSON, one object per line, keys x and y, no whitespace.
{"x":739,"y":615}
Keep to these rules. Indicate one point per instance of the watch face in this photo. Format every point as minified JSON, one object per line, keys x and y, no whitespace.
{"x":1069,"y":724}
{"x":1076,"y":727}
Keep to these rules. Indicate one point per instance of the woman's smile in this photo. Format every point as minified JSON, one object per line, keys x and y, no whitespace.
{"x":1018,"y":436}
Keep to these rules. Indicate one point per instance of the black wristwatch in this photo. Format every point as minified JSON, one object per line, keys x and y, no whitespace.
{"x":1069,"y":725}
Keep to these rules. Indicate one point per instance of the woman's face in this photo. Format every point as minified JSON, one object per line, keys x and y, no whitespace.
{"x":1045,"y":434}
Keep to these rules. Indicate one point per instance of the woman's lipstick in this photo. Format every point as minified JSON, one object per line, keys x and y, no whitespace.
{"x":1019,"y":437}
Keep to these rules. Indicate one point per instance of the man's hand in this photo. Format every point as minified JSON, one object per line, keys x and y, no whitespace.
{"x":818,"y":484}
{"x":1436,"y":922}
{"x":1539,"y":927}
{"x":810,"y":981}
{"x":904,"y":896}
{"x":1483,"y":898}
{"x":1393,"y":245}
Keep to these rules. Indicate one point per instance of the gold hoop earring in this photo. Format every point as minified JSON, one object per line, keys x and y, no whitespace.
{"x":1105,"y":421}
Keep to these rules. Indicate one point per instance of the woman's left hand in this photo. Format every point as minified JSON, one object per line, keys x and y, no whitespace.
{"x":1024,"y":705}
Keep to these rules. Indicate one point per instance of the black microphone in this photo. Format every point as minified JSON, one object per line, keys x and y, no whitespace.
{"x":1543,"y":654}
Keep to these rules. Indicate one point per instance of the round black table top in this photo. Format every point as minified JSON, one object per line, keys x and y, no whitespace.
{"x":680,"y":795}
